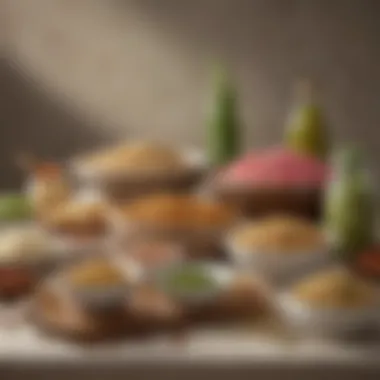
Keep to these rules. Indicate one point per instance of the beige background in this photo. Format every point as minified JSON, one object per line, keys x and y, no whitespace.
{"x":74,"y":73}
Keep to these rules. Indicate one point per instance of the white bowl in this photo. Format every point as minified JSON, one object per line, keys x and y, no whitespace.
{"x":195,"y":159}
{"x":51,"y":254}
{"x":276,"y":267}
{"x":221,"y":274}
{"x":99,"y":298}
{"x":308,"y":320}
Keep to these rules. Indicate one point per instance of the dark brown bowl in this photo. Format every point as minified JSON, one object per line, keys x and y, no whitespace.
{"x":256,"y":202}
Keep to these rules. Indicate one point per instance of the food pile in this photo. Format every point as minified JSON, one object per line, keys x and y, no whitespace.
{"x":335,"y":289}
{"x":134,"y":158}
{"x":276,"y":167}
{"x":280,"y":235}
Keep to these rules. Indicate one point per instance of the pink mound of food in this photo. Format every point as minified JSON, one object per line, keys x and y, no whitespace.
{"x":276,"y":167}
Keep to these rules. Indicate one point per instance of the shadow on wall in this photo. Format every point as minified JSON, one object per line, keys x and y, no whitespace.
{"x":30,"y":121}
{"x":272,"y":42}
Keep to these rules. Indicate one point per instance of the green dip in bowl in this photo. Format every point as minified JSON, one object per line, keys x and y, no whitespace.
{"x":189,"y":282}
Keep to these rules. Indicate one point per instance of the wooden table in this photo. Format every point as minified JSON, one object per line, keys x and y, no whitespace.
{"x":25,"y":354}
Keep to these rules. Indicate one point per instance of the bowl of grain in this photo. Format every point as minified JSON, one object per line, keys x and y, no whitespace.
{"x":131,"y":169}
{"x":277,"y":247}
{"x":332,"y":301}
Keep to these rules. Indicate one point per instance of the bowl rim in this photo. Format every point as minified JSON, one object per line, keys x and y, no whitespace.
{"x":222,"y":275}
{"x":291,"y":300}
{"x":197,"y":162}
{"x":327,"y":318}
{"x":269,"y":255}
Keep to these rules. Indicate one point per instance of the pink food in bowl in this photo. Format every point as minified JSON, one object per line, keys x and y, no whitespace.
{"x":276,"y":167}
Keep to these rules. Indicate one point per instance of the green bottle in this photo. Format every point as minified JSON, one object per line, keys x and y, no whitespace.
{"x":223,"y":143}
{"x":349,"y":205}
{"x":306,"y":129}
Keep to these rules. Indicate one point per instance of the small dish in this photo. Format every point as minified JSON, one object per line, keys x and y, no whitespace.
{"x":272,"y":180}
{"x":195,"y":224}
{"x":123,"y":184}
{"x":18,"y":252}
{"x":276,"y":267}
{"x":269,"y":259}
{"x":335,"y":323}
{"x":309,"y":319}
{"x":93,"y":292}
{"x":194,"y":283}
{"x":23,"y":263}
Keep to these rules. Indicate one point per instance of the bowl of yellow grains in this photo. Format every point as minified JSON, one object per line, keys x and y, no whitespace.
{"x":332,"y":301}
{"x":277,"y":247}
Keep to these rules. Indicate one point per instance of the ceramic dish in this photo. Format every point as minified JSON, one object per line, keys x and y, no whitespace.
{"x":192,"y":223}
{"x":21,"y":271}
{"x":273,"y":180}
{"x":102,"y":297}
{"x":125,"y":185}
{"x":194,"y":283}
{"x":74,"y":246}
{"x":255,"y":202}
{"x":48,"y":252}
{"x":335,"y":323}
{"x":308,"y":319}
{"x":276,"y":267}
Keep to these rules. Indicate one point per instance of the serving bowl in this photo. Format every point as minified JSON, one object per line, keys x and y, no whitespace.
{"x":219,"y":277}
{"x":278,"y":267}
{"x":22,"y":272}
{"x":232,"y":298}
{"x":306,"y":318}
{"x":101,"y":297}
{"x":122,"y":185}
{"x":261,"y":201}
{"x":172,"y":223}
